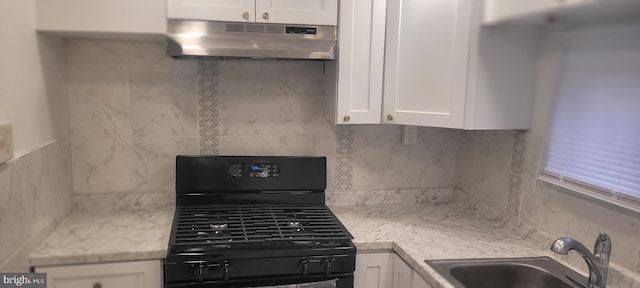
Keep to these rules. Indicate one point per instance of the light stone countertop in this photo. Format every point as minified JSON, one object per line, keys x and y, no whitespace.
{"x":416,"y":232}
{"x":106,"y":236}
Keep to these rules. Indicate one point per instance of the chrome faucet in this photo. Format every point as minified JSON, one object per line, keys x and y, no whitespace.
{"x":598,"y":262}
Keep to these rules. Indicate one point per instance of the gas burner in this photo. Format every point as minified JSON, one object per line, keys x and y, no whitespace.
{"x":217,"y":228}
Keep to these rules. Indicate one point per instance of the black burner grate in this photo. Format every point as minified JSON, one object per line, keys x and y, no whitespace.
{"x":230,"y":227}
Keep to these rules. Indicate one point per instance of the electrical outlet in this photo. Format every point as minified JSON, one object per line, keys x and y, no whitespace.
{"x":6,"y":142}
{"x":409,"y":135}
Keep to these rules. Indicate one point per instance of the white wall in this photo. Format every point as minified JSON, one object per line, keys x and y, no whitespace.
{"x":32,"y":78}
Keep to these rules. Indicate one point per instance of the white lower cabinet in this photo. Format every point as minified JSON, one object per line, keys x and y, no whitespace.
{"x":419,"y":282}
{"x":136,"y":274}
{"x":402,"y":273}
{"x":373,"y":270}
{"x":385,"y":270}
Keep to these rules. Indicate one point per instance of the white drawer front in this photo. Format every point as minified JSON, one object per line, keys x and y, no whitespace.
{"x":138,"y":274}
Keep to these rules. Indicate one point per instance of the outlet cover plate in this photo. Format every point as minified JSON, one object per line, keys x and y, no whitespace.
{"x":6,"y":142}
{"x":409,"y":135}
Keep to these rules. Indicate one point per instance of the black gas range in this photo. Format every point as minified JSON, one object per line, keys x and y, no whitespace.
{"x":249,"y":221}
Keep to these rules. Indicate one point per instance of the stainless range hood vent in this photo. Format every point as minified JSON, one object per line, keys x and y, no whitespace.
{"x":194,"y":39}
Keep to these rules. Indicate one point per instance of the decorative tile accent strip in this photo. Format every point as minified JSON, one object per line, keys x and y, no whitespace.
{"x":344,"y":159}
{"x":208,"y":104}
{"x":516,"y":171}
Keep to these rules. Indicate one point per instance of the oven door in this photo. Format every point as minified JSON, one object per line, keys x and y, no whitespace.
{"x":344,"y":281}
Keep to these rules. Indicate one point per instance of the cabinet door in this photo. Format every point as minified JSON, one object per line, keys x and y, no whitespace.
{"x":139,"y":274}
{"x":102,"y":16}
{"x":402,"y":274}
{"x":361,"y":61}
{"x":373,"y":270}
{"x":312,"y":12}
{"x":500,"y":10}
{"x":212,"y":10}
{"x":426,"y":62}
{"x":418,"y":282}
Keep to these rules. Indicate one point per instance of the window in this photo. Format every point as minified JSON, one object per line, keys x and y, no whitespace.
{"x":594,"y":138}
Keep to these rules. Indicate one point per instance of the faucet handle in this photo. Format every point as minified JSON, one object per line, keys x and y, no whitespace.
{"x":603,"y":244}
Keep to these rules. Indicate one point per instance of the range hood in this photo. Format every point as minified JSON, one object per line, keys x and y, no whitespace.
{"x":193,"y":39}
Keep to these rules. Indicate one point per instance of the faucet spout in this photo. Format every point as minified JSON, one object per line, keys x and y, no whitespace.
{"x":598,"y":262}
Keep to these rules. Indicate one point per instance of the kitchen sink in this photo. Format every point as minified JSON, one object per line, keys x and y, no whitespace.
{"x":532,"y":272}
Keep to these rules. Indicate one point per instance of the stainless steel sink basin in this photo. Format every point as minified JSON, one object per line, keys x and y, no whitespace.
{"x":535,"y":272}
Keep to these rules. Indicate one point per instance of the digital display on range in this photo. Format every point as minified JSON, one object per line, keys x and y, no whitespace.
{"x":254,"y":170}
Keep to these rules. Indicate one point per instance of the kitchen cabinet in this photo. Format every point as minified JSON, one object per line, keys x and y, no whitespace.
{"x":142,"y":274}
{"x":373,"y":270}
{"x":312,"y":12}
{"x":385,"y":270}
{"x":354,"y":81}
{"x":402,"y":274}
{"x":499,"y":10}
{"x":219,"y":10}
{"x":443,"y":69}
{"x":538,"y":12}
{"x":426,"y":62}
{"x":102,"y":17}
{"x":405,"y":277}
{"x":440,"y":67}
{"x":419,"y":282}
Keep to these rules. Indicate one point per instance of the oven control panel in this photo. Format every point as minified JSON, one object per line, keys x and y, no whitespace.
{"x":254,"y":170}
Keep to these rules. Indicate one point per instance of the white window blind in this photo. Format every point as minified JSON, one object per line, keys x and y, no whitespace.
{"x":594,"y":138}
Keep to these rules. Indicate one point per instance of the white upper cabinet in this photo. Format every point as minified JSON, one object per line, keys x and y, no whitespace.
{"x":426,"y":62}
{"x":537,"y":12}
{"x":212,"y":10}
{"x":354,"y":81}
{"x":443,"y":69}
{"x":498,"y":10}
{"x":429,"y":63}
{"x":312,"y":12}
{"x":114,"y":17}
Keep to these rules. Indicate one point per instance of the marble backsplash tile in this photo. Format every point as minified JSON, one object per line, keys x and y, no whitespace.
{"x":272,"y":98}
{"x":381,"y":162}
{"x":163,"y":104}
{"x":154,"y":161}
{"x":103,"y":164}
{"x":35,"y":195}
{"x":12,"y":233}
{"x":99,"y":104}
{"x":96,"y":203}
{"x":134,"y":108}
{"x":484,"y":163}
{"x":431,"y":196}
